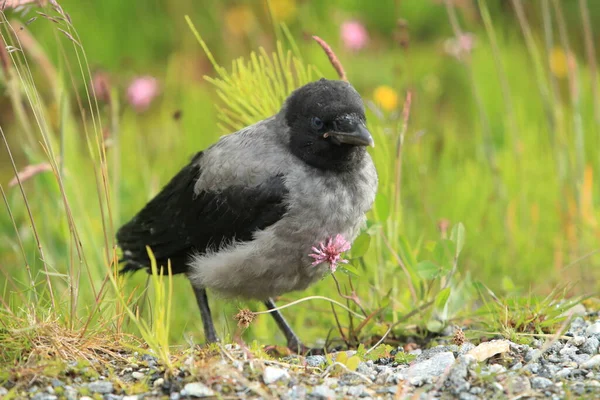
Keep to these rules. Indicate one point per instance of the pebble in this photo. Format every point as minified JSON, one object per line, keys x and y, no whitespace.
{"x":356,"y":391}
{"x":539,"y":382}
{"x":197,"y":389}
{"x":273,"y":374}
{"x":591,"y":363}
{"x":315,"y":361}
{"x":518,"y":384}
{"x":420,"y":373}
{"x":591,"y":346}
{"x":138,"y":375}
{"x":44,"y":396}
{"x":489,"y":349}
{"x":102,"y":387}
{"x":323,"y":392}
{"x":3,"y":391}
{"x":593,"y":329}
{"x":158,"y":383}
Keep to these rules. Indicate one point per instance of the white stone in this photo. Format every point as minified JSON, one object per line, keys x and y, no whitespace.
{"x":273,"y":374}
{"x":198,"y":389}
{"x":591,"y":363}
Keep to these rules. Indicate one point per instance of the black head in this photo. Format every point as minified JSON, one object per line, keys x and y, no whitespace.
{"x":327,"y":125}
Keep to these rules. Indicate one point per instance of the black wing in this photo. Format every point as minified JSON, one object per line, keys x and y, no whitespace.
{"x":178,"y":222}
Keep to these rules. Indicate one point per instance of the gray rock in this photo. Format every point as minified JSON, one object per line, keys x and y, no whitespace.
{"x":578,"y":340}
{"x":540,"y":383}
{"x":518,"y":384}
{"x":476,"y":390}
{"x":429,"y":353}
{"x":323,"y":392}
{"x":388,"y":390}
{"x":465,"y":348}
{"x":564,"y":373}
{"x":580,"y":358}
{"x":134,"y":397}
{"x":315,"y":361}
{"x":577,"y":326}
{"x":555,"y":347}
{"x":365,"y":368}
{"x":533,"y":355}
{"x":71,"y":393}
{"x":3,"y":391}
{"x":591,"y":345}
{"x":593,"y":329}
{"x":175,"y":396}
{"x":592,"y":362}
{"x":197,"y":389}
{"x":467,"y":396}
{"x":102,"y":387}
{"x":554,"y":359}
{"x":517,"y":366}
{"x":568,"y":351}
{"x":273,"y":374}
{"x":496,"y":369}
{"x":44,"y":396}
{"x":534,"y":368}
{"x":297,"y":392}
{"x":422,"y":372}
{"x":113,"y":397}
{"x":356,"y":391}
{"x":57,"y":383}
{"x":457,"y":378}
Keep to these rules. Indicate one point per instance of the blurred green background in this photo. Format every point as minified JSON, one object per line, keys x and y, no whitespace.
{"x":503,"y":134}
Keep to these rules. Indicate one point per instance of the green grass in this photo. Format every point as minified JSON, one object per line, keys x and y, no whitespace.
{"x":495,"y":143}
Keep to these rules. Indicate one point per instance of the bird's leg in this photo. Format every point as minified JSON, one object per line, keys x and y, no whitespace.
{"x":207,"y":322}
{"x":293,"y":343}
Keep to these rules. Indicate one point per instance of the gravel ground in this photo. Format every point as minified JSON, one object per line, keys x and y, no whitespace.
{"x":566,"y":368}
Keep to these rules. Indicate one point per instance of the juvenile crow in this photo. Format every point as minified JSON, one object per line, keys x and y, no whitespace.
{"x":242,"y":217}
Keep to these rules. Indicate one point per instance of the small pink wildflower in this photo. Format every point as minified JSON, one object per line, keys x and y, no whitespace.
{"x":354,"y":35}
{"x":330,"y":252}
{"x":141,"y":92}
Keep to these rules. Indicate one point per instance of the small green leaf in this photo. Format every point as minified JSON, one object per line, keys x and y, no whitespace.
{"x":444,"y":253}
{"x":442,"y":298}
{"x":361,"y":351}
{"x":435,"y":326}
{"x":404,"y":358}
{"x":361,"y":245}
{"x":458,"y":237}
{"x":406,"y":253}
{"x":352,"y":363}
{"x":348,"y":269}
{"x":428,"y":270}
{"x":507,"y":284}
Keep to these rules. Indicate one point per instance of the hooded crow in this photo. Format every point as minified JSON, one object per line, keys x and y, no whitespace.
{"x":242,"y":217}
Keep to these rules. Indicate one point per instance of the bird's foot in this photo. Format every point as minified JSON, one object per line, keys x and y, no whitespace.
{"x":300,"y":349}
{"x":293,"y":348}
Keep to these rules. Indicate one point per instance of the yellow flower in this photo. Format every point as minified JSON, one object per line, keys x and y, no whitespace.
{"x":240,"y":20}
{"x":283,"y":10}
{"x":386,"y":98}
{"x":561,"y":62}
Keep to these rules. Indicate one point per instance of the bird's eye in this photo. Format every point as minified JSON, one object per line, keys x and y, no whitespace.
{"x":317,"y":123}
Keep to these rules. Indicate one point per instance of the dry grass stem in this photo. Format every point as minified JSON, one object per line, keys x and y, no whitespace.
{"x":332,"y":58}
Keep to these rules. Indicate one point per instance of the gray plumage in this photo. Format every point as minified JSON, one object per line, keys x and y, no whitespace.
{"x":320,"y":205}
{"x":243,"y":216}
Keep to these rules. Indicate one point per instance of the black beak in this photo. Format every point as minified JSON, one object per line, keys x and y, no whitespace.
{"x":360,"y":136}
